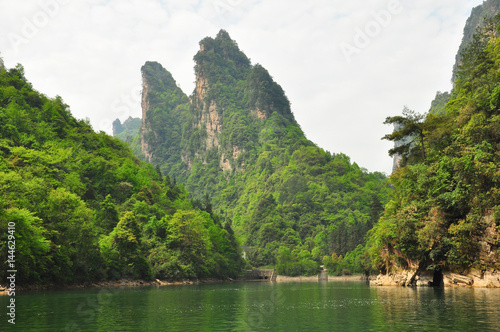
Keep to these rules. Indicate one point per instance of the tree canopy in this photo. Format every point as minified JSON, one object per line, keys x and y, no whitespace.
{"x":86,"y":209}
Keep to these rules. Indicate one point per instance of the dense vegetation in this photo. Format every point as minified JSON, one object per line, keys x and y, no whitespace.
{"x":86,"y":209}
{"x":236,"y":144}
{"x":445,"y":211}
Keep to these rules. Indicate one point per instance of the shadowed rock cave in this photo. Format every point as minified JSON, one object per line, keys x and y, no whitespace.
{"x":437,"y":279}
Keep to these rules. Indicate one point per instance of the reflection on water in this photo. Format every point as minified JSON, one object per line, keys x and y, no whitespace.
{"x":333,"y":306}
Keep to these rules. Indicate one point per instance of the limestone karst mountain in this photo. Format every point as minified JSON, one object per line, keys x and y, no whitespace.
{"x":236,"y":145}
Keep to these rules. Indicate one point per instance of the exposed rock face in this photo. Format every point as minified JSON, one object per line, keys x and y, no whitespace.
{"x":145,"y":105}
{"x":212,"y":114}
{"x":213,"y":124}
{"x":225,"y":160}
{"x":490,"y":279}
{"x":210,"y":117}
{"x":201,"y":87}
{"x":479,"y":279}
{"x":401,"y":278}
{"x":261,"y":114}
{"x":485,"y":279}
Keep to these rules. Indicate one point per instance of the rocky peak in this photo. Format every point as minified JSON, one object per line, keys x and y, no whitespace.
{"x":230,"y":96}
{"x":145,"y":105}
{"x":225,"y":47}
{"x":219,"y":62}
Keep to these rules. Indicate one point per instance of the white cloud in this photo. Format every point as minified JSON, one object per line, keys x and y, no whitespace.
{"x":91,"y":52}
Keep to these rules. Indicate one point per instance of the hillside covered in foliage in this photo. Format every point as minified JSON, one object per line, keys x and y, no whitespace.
{"x":82,"y":208}
{"x":235,"y":145}
{"x":445,"y":210}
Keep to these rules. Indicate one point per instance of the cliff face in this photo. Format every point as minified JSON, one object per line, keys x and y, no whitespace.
{"x":487,"y":10}
{"x":146,"y":107}
{"x":210,"y":119}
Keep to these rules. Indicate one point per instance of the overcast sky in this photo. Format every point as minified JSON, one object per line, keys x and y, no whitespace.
{"x":344,"y":65}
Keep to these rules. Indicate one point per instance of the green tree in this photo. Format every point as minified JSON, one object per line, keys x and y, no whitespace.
{"x":23,"y":233}
{"x":108,"y":215}
{"x":409,"y":132}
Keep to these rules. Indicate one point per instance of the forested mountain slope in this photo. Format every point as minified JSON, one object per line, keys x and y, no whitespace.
{"x":445,"y":212}
{"x":235,"y":144}
{"x":80,"y":207}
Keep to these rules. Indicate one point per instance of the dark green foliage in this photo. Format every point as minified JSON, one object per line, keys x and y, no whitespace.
{"x":409,"y":133}
{"x":86,"y":209}
{"x":266,"y":95}
{"x":167,"y":105}
{"x":442,"y":215}
{"x":213,"y":58}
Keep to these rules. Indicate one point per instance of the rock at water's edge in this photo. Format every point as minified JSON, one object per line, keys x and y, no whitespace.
{"x":480,"y":279}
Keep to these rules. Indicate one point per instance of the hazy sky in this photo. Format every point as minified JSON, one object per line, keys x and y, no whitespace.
{"x":344,"y":65}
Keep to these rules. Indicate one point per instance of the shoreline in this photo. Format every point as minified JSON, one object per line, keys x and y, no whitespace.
{"x":413,"y":278}
{"x":122,"y":283}
{"x":358,"y":277}
{"x":490,"y":280}
{"x":142,"y":283}
{"x":401,"y":279}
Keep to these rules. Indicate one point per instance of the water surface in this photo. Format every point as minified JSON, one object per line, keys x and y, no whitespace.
{"x":258,"y":306}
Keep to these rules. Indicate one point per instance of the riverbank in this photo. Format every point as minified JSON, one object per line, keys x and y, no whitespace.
{"x":474,"y":278}
{"x":141,"y":283}
{"x":111,"y":284}
{"x":315,"y":278}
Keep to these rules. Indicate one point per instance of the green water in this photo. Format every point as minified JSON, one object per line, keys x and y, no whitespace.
{"x":258,"y":306}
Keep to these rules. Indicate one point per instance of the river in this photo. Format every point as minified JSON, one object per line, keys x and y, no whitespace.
{"x":258,"y":306}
